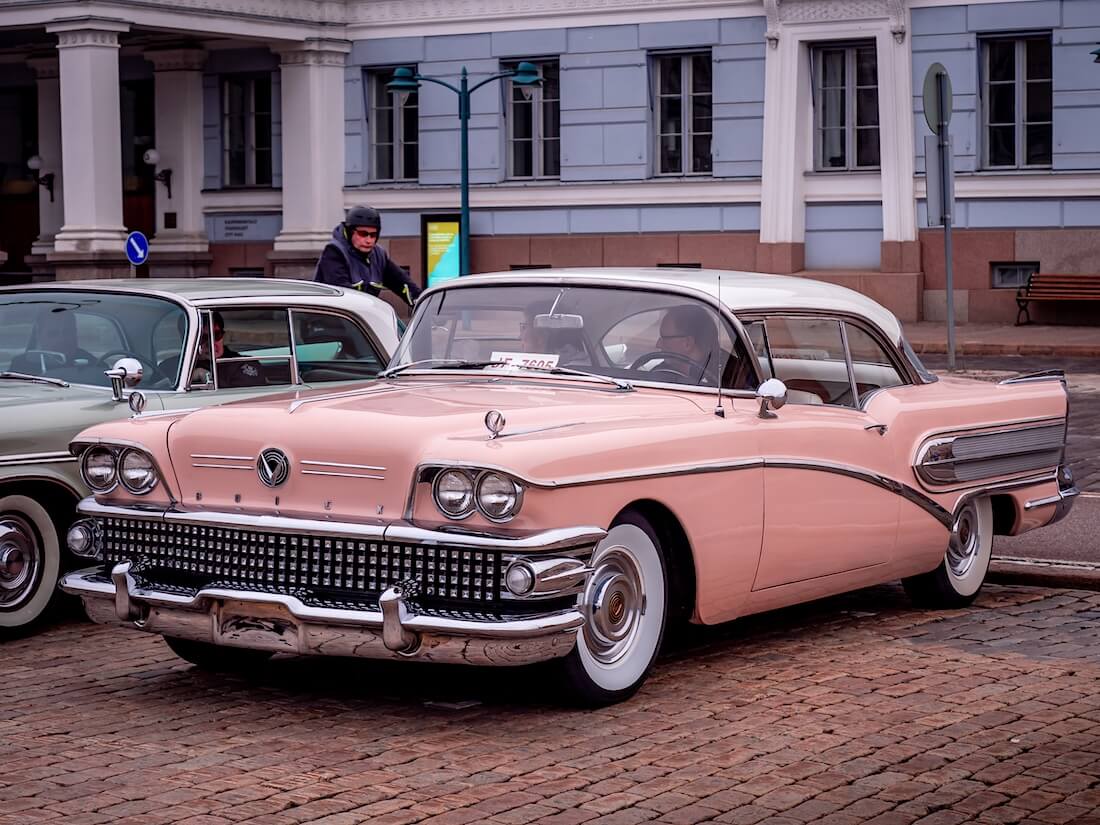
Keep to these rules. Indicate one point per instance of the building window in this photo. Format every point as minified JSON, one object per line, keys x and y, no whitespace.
{"x":394,"y":131}
{"x":534,"y":125}
{"x":1012,"y":276}
{"x":1017,"y":95}
{"x":246,"y":130}
{"x":845,"y":107}
{"x":683,"y":100}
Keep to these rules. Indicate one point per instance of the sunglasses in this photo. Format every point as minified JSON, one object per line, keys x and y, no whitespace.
{"x":365,"y":233}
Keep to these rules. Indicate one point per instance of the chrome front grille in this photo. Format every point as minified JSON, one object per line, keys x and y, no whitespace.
{"x":191,"y":555}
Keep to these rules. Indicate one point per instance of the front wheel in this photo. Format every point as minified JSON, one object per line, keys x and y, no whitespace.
{"x":215,"y":658}
{"x":959,"y":578}
{"x":30,"y":562}
{"x":625,"y":604}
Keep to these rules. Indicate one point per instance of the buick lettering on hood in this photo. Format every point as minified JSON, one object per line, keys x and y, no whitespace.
{"x":561,"y":465}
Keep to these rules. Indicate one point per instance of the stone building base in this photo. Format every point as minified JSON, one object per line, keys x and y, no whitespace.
{"x":79,"y":266}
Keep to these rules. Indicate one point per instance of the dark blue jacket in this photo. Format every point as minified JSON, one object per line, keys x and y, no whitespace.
{"x":341,"y":264}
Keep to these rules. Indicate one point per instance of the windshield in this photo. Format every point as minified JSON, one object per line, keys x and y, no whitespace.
{"x":75,"y":336}
{"x":630,"y":334}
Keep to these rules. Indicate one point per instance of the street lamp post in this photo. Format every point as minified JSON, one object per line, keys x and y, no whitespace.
{"x":406,"y":80}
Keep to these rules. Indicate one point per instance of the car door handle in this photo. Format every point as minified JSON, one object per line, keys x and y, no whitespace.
{"x":882,"y":428}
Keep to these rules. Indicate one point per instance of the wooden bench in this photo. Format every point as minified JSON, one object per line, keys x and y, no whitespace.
{"x":1048,"y":286}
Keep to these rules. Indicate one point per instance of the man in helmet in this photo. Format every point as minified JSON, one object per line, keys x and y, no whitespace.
{"x":353,"y":258}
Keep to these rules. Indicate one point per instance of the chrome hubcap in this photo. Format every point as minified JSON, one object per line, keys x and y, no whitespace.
{"x":19,"y":560}
{"x":615,"y":603}
{"x":965,"y":541}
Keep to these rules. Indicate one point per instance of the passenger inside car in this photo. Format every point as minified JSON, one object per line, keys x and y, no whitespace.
{"x":537,"y":335}
{"x":53,"y":345}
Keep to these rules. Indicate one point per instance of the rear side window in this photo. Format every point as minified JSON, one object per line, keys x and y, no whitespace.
{"x":331,"y":347}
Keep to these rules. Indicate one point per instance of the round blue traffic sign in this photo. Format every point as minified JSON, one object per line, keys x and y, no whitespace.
{"x":137,"y":248}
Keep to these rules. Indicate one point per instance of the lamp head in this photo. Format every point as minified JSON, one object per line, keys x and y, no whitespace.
{"x":151,"y":157}
{"x":404,"y":80}
{"x":527,"y":74}
{"x":34,"y":163}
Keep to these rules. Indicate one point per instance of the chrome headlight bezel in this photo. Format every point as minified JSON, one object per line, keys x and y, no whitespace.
{"x":458,"y":513}
{"x":96,"y":451}
{"x":152,"y":477}
{"x":508,"y":486}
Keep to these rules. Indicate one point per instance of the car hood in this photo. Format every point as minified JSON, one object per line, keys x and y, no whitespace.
{"x":355,"y":453}
{"x":40,"y":418}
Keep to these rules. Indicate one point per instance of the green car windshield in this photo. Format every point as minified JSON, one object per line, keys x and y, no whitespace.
{"x":75,"y":336}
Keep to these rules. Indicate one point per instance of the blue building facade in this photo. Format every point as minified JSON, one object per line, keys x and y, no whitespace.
{"x":780,"y":136}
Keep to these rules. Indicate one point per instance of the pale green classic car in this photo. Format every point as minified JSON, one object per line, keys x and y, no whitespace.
{"x":74,"y":354}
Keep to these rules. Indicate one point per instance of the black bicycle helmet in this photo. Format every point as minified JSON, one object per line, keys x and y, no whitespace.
{"x":363,"y":216}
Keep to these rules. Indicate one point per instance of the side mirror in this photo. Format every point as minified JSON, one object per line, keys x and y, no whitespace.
{"x":773,"y":395}
{"x":127,"y":372}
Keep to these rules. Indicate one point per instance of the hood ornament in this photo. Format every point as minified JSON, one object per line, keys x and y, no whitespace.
{"x":273,"y":467}
{"x":494,"y":423}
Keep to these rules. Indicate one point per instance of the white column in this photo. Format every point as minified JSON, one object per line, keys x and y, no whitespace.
{"x":51,"y":213}
{"x":895,"y":102}
{"x":782,"y":212}
{"x":91,"y":147}
{"x":179,"y":142}
{"x":313,"y":144}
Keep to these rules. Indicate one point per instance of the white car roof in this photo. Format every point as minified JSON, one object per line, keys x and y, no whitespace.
{"x":742,"y":292}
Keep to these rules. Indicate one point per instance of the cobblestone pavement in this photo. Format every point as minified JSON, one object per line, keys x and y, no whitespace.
{"x":1083,"y":379}
{"x":856,"y":709}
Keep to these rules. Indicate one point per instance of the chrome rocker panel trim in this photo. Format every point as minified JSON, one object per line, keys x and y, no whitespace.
{"x":280,"y":623}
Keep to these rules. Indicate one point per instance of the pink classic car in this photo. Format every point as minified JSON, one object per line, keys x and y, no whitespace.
{"x":559,"y":466}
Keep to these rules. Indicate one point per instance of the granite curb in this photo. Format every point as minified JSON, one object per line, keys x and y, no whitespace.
{"x":997,"y":348}
{"x":1044,"y":573}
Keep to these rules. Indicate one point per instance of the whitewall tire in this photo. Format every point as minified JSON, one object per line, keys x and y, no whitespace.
{"x":30,"y":562}
{"x":961,"y":573}
{"x":625,"y":605}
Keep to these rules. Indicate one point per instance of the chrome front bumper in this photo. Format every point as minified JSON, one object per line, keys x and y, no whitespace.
{"x":283,"y":624}
{"x":278,"y":622}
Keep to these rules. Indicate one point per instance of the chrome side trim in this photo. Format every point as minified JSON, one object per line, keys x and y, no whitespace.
{"x":223,"y":457}
{"x":37,"y":458}
{"x":910,"y":494}
{"x":1031,"y":377}
{"x":347,"y":466}
{"x":342,"y":475}
{"x":1061,"y":496}
{"x":964,"y":457}
{"x":221,"y":466}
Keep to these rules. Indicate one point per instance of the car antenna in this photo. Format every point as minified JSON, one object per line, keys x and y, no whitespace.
{"x":718,"y":409}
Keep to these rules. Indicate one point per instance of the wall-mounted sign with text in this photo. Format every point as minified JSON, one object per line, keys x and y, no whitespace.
{"x":439,"y":241}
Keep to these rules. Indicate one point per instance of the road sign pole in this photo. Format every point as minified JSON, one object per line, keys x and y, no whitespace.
{"x":945,"y":172}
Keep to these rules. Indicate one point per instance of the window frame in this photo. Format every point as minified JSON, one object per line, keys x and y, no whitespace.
{"x":860,"y":401}
{"x":397,"y":140}
{"x":538,"y":121}
{"x":206,"y":323}
{"x":1029,"y":268}
{"x":1020,"y":83}
{"x":687,"y":97}
{"x":250,"y":150}
{"x":851,"y":113}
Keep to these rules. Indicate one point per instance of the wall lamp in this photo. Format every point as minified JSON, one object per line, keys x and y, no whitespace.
{"x":152,"y":157}
{"x":34,"y":163}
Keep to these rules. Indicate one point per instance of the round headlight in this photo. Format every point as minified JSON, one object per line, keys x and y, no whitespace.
{"x":498,"y":496}
{"x":99,"y":469}
{"x":519,"y":578}
{"x":136,"y":472}
{"x":454,"y":493}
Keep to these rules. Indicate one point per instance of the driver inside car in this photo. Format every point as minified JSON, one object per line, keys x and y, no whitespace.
{"x":689,"y":338}
{"x":231,"y":373}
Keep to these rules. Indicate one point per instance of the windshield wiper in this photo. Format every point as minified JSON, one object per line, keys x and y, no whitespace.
{"x":626,"y":386}
{"x":42,"y":379}
{"x":440,"y":363}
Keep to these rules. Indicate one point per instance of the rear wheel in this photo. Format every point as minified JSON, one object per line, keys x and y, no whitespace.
{"x":30,"y":562}
{"x":625,"y":605}
{"x":959,"y":578}
{"x":216,"y":658}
